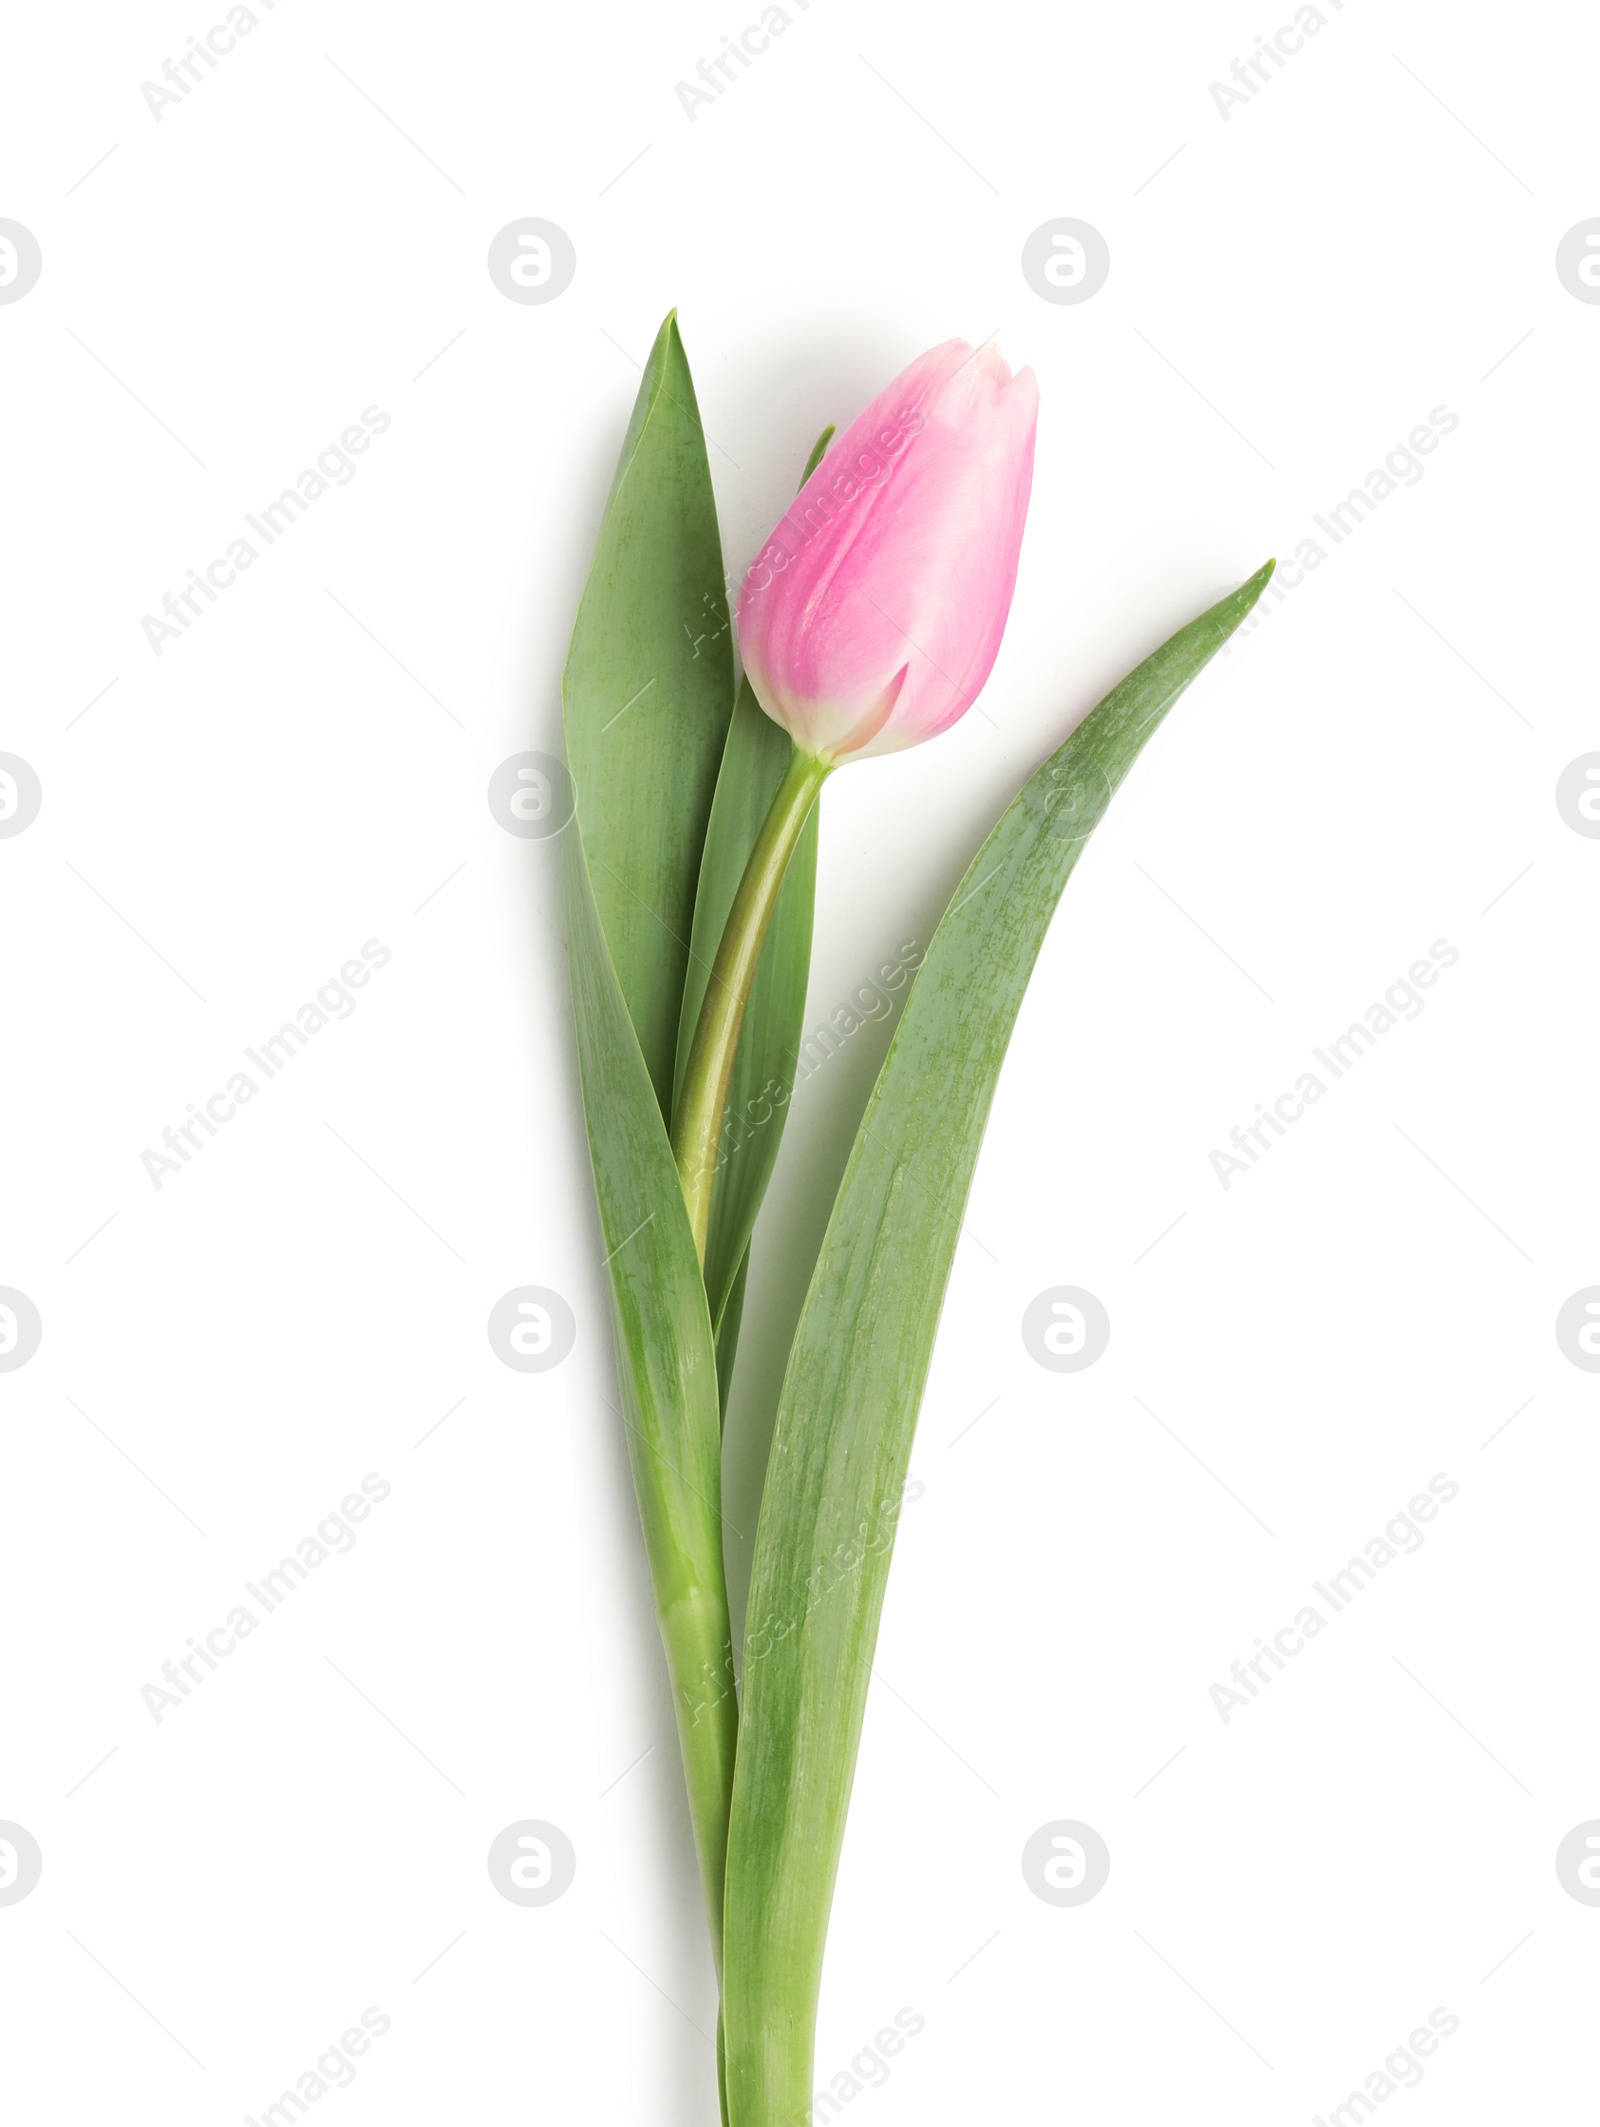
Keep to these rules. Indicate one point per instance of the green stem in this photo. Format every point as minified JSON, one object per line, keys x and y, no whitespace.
{"x":697,"y":1125}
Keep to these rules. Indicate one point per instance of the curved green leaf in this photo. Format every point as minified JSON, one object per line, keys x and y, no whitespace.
{"x":856,"y":1373}
{"x":647,"y":694}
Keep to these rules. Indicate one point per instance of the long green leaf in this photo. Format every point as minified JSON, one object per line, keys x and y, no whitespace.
{"x":647,"y":694}
{"x":856,"y":1374}
{"x":648,"y":689}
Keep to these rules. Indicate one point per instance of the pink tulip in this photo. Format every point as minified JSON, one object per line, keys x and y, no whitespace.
{"x":870,"y":619}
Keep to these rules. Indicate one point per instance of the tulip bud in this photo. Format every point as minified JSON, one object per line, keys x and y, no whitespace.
{"x":870,"y":619}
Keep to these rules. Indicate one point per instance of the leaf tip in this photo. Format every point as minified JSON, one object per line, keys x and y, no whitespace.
{"x":819,"y":451}
{"x":667,"y":340}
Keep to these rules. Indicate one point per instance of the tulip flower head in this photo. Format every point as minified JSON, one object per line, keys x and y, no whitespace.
{"x":870,"y":619}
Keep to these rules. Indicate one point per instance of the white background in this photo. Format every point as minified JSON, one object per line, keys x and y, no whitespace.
{"x":302,"y":236}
